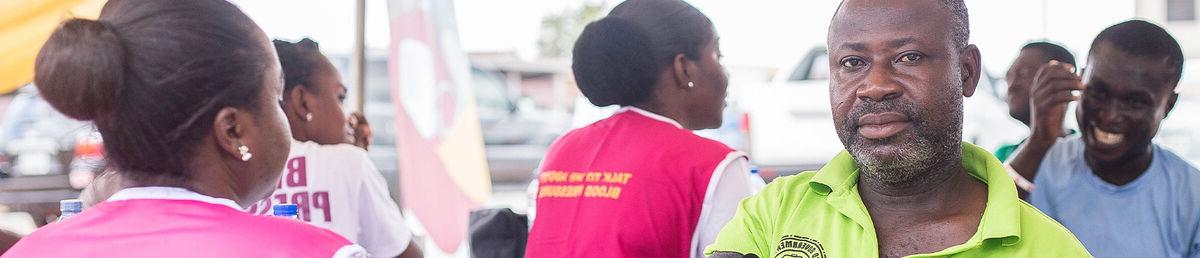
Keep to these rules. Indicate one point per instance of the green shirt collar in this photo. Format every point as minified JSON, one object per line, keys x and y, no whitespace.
{"x":1001,"y":219}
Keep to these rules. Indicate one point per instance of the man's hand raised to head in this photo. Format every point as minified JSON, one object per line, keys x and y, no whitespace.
{"x":361,"y":130}
{"x":1054,"y":85}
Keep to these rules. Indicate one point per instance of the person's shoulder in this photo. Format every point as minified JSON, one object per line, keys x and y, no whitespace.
{"x":292,"y":229}
{"x":293,"y":238}
{"x":53,"y":234}
{"x":1043,"y":235}
{"x":655,"y":126}
{"x":1181,"y":174}
{"x":98,"y":216}
{"x":44,"y":242}
{"x":708,"y":143}
{"x":1174,"y":163}
{"x":343,"y":150}
{"x":278,"y":233}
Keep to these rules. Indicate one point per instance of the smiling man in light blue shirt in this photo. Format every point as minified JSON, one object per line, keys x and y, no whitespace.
{"x":1154,"y":215}
{"x":1119,"y":193}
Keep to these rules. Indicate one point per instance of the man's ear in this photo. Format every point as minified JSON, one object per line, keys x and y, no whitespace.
{"x":1171,"y":103}
{"x":228,"y":131}
{"x":971,"y":69}
{"x":682,"y":69}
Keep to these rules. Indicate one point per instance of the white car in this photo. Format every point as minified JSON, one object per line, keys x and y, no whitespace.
{"x":791,"y":124}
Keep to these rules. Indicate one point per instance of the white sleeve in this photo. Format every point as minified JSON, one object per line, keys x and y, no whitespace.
{"x":382,"y":230}
{"x":531,"y":209}
{"x":730,"y":183}
{"x":351,"y":251}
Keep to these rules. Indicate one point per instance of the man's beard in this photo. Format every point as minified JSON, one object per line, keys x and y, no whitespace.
{"x":929,"y":144}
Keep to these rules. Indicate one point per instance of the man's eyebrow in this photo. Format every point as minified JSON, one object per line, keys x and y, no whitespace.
{"x":896,"y":43}
{"x":856,"y":46}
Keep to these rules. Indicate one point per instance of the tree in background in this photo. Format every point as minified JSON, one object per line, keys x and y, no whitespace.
{"x":560,"y":30}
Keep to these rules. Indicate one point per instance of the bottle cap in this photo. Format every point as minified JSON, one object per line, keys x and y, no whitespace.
{"x":285,"y":209}
{"x":70,"y":205}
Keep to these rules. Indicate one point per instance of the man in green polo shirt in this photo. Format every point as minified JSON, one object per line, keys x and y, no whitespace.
{"x":908,"y":185}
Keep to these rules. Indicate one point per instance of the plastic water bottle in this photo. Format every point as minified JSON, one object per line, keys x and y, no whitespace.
{"x":69,"y":208}
{"x":756,"y":179}
{"x":286,"y":210}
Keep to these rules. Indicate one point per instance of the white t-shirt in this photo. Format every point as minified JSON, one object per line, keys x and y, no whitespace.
{"x":337,"y":187}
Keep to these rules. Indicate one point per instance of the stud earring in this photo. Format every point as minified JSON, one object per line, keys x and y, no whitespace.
{"x":690,"y":85}
{"x":308,"y":117}
{"x":245,"y":152}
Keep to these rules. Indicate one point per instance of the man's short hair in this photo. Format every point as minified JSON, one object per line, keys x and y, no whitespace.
{"x":1145,"y":39}
{"x":960,"y":23}
{"x":1052,"y":51}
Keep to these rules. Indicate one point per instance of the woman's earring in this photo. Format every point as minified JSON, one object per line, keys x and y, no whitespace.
{"x":690,"y":85}
{"x":308,"y":117}
{"x":245,"y":152}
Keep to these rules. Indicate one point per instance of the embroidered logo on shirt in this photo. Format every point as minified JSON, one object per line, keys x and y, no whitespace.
{"x":792,"y":246}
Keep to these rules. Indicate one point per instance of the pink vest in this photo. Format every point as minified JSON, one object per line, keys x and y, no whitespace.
{"x":175,"y":228}
{"x":626,"y":186}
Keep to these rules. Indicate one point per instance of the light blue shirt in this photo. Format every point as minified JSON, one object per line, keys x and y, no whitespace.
{"x":1155,"y":215}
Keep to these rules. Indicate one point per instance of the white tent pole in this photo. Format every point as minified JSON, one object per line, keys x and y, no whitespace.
{"x":358,"y":58}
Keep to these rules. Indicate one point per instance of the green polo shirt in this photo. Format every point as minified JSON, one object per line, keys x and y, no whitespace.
{"x":820,"y":214}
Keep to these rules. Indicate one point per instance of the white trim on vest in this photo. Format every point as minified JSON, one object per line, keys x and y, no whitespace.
{"x":706,"y":209}
{"x":649,"y":114}
{"x":170,"y":193}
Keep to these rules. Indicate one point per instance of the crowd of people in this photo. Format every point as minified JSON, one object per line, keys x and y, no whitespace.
{"x":906,"y":185}
{"x":207,"y":123}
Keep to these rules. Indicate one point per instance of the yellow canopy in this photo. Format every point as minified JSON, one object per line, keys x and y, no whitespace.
{"x":24,"y":27}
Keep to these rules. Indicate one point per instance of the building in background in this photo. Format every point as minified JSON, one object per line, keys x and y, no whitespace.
{"x":1180,"y":17}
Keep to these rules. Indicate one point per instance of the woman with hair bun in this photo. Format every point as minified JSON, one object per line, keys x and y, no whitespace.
{"x":186,"y":94}
{"x":640,"y":183}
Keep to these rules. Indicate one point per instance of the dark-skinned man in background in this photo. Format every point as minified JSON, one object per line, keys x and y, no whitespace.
{"x":1020,"y":79}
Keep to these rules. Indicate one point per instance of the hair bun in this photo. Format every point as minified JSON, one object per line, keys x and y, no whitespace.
{"x":613,"y":63}
{"x":80,"y":69}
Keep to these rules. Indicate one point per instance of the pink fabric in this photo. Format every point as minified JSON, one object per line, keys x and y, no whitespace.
{"x":661,"y":171}
{"x":175,"y":228}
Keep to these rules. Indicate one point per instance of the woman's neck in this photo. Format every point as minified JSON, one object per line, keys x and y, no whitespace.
{"x":668,"y":111}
